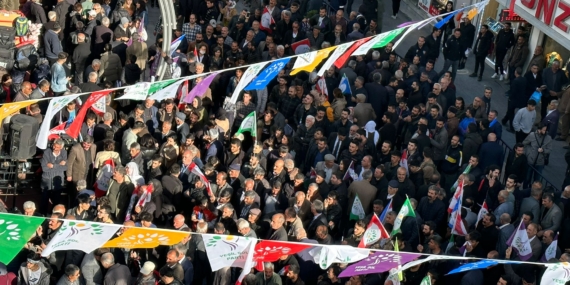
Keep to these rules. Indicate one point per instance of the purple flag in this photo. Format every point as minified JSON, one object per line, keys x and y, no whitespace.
{"x":520,"y":243}
{"x":130,"y":42}
{"x":379,"y":262}
{"x":200,"y":88}
{"x":405,"y":24}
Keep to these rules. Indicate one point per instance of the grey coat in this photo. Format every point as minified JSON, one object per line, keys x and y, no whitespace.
{"x":24,"y":273}
{"x":532,"y":143}
{"x":439,"y":143}
{"x":118,"y":274}
{"x":552,"y":219}
{"x":530,"y":204}
{"x":91,"y":270}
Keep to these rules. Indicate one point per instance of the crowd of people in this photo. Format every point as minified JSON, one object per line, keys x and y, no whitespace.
{"x":401,"y":132}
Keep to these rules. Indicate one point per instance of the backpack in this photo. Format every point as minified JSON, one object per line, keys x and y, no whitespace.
{"x":41,"y":72}
{"x":7,"y":36}
{"x":22,"y":26}
{"x":26,"y":57}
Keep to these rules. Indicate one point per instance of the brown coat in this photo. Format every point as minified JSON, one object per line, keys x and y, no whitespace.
{"x":76,"y":162}
{"x":366,"y":193}
{"x":363,"y":112}
{"x":140,"y":50}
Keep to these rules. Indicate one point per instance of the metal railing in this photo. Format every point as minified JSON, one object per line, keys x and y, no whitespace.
{"x":537,"y":176}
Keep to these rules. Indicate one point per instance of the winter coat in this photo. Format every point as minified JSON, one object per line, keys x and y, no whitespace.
{"x":23,"y":274}
{"x":532,"y":143}
{"x":111,"y":68}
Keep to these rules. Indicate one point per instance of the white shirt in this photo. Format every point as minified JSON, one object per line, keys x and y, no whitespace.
{"x":34,"y":276}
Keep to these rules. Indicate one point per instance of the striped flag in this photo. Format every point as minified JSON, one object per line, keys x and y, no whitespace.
{"x":387,"y":210}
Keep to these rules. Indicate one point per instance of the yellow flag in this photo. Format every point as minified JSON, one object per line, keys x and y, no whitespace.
{"x":472,"y":13}
{"x":146,"y":238}
{"x":309,"y":61}
{"x":397,"y":249}
{"x":11,"y":108}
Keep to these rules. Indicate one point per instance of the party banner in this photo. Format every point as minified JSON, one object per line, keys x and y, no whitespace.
{"x":75,"y":127}
{"x":556,"y":274}
{"x":146,"y":238}
{"x":379,"y":262}
{"x":55,"y":104}
{"x":268,"y":74}
{"x":325,"y":256}
{"x":15,"y":231}
{"x":339,"y":63}
{"x":246,"y":78}
{"x":80,"y":235}
{"x":340,"y":50}
{"x":137,"y":92}
{"x":226,"y":251}
{"x":388,"y":38}
{"x":479,"y":265}
{"x":418,"y":262}
{"x":11,"y":108}
{"x":201,"y":88}
{"x":159,"y":85}
{"x":309,"y":61}
{"x":272,"y":250}
{"x":378,"y":41}
{"x":169,"y":91}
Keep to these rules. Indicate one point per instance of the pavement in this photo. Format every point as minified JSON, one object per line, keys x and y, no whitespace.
{"x":467,"y":87}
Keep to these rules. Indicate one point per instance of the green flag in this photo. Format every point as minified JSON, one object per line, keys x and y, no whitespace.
{"x":387,"y":38}
{"x":155,"y":86}
{"x":426,"y":280}
{"x":15,"y":231}
{"x":466,"y":171}
{"x":357,"y":211}
{"x":249,"y":124}
{"x":406,"y":211}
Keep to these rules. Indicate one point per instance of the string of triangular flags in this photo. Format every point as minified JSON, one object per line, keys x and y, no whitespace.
{"x":228,"y":250}
{"x":256,"y":77}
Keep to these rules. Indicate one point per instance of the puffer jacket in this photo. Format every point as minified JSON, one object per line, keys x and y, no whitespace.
{"x":111,"y":68}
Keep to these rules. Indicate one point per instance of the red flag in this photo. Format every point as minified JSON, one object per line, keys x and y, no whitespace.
{"x":271,"y":250}
{"x":266,"y":20}
{"x":457,"y":197}
{"x":104,"y":178}
{"x":182,"y":94}
{"x":196,"y":170}
{"x":321,"y":86}
{"x":195,"y":52}
{"x":313,"y":173}
{"x":404,"y":160}
{"x":75,"y":127}
{"x":303,"y":46}
{"x":339,"y":63}
{"x":56,"y":131}
{"x":374,"y":232}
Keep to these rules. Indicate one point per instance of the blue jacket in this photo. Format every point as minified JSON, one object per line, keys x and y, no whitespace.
{"x":52,"y":44}
{"x":58,"y":78}
{"x":463,"y":126}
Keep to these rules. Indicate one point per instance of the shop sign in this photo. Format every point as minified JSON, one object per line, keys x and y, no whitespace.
{"x":555,"y":14}
{"x":508,"y":15}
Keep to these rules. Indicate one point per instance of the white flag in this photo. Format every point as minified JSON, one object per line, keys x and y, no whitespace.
{"x":556,"y":274}
{"x":137,"y":92}
{"x":520,"y":243}
{"x":246,"y":78}
{"x":327,"y":255}
{"x":55,"y":104}
{"x":169,"y":91}
{"x":357,"y":211}
{"x":224,"y":251}
{"x":249,"y":262}
{"x":304,"y":59}
{"x":80,"y":235}
{"x":340,"y":49}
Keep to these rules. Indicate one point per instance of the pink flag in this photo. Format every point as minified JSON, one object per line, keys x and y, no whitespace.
{"x":200,"y":88}
{"x":196,"y":170}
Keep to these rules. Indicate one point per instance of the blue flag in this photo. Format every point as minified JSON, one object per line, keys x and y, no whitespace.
{"x":446,"y":19}
{"x":344,"y":85}
{"x":267,"y":74}
{"x":175,"y":43}
{"x":386,"y":210}
{"x":478,"y":265}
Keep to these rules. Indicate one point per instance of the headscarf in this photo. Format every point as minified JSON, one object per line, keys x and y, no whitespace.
{"x":370,"y":127}
{"x":133,"y":174}
{"x":138,"y":181}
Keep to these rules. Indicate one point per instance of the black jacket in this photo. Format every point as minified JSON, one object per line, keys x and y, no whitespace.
{"x":422,"y":52}
{"x":434,"y":46}
{"x":518,"y":94}
{"x":483,"y":44}
{"x":454,"y":48}
{"x":504,"y":41}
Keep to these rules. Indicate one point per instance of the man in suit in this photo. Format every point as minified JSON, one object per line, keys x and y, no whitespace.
{"x":535,"y":243}
{"x":78,"y":164}
{"x":366,"y":192}
{"x":551,"y":118}
{"x":303,"y":207}
{"x":328,"y":166}
{"x":172,"y":261}
{"x":518,"y":97}
{"x":533,"y":79}
{"x":363,"y":112}
{"x":277,"y":231}
{"x":338,"y":142}
{"x":532,"y":204}
{"x":550,"y":214}
{"x":317,"y":209}
{"x":506,"y":229}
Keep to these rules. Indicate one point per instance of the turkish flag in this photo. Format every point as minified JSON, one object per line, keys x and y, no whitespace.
{"x":339,"y":63}
{"x":75,"y":127}
{"x":271,"y":250}
{"x":302,"y":46}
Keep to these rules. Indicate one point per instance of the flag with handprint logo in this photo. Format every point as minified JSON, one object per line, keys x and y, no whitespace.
{"x":15,"y":231}
{"x":80,"y":235}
